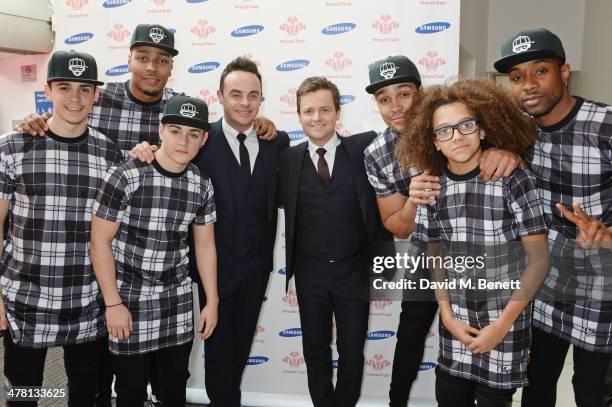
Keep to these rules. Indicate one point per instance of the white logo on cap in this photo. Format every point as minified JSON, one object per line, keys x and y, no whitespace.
{"x":388,"y":70}
{"x":188,"y":110}
{"x":77,"y":66}
{"x":521,"y":44}
{"x":156,"y":34}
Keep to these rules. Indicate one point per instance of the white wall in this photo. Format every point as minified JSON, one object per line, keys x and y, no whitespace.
{"x":563,"y":17}
{"x":17,"y":97}
{"x":473,"y":34}
{"x":594,"y":81}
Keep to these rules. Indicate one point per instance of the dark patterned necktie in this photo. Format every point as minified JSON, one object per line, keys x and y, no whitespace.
{"x":322,"y":167}
{"x":245,"y":162}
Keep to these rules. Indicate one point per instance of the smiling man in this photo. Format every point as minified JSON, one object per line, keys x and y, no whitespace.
{"x":572,"y":163}
{"x":47,"y":187}
{"x":330,"y":218}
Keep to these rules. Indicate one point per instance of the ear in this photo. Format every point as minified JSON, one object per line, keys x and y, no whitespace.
{"x":162,"y":127}
{"x":482,"y":133}
{"x":204,"y":138}
{"x":437,"y":144}
{"x":565,"y":74}
{"x":96,"y":94}
{"x":130,"y":62}
{"x":220,"y":96}
{"x":47,"y":89}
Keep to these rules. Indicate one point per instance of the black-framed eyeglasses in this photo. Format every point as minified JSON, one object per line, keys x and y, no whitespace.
{"x":465,"y":127}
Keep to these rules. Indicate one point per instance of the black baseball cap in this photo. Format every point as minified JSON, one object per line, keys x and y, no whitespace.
{"x":154,"y":35}
{"x":391,"y":70}
{"x":73,"y":66}
{"x":186,"y":111}
{"x":537,"y":43}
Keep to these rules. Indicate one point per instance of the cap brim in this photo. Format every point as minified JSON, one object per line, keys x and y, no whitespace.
{"x":372,"y":88}
{"x":72,"y":79}
{"x":171,"y":50}
{"x":185,"y":121}
{"x":503,"y":65}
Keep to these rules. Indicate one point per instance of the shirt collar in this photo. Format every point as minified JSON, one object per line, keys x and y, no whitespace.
{"x":330,"y":146}
{"x":231,"y":133}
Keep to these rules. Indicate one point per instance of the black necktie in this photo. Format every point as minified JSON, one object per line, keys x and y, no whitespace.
{"x":245,"y":162}
{"x":322,"y":167}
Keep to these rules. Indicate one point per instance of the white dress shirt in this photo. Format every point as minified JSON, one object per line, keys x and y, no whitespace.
{"x":330,"y":152}
{"x":251,"y":142}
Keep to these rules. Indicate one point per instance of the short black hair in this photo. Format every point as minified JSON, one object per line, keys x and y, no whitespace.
{"x":239,"y":64}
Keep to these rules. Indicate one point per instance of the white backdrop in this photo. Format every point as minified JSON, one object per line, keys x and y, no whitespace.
{"x":289,"y":40}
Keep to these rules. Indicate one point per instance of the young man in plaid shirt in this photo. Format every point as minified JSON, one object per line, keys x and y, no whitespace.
{"x":47,"y":186}
{"x":573,"y":165}
{"x":143,"y":214}
{"x":395,"y":83}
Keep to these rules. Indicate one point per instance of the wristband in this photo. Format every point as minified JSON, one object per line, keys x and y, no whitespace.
{"x":114,"y":305}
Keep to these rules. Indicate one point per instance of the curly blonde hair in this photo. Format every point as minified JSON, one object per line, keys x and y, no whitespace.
{"x":505,"y":125}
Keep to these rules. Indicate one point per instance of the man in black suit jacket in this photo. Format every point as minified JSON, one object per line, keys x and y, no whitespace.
{"x":243,"y":170}
{"x":330,"y":217}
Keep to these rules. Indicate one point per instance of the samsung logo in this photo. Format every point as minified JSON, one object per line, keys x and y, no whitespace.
{"x":283,"y":271}
{"x":247,"y":30}
{"x":196,"y":1}
{"x":257,"y":360}
{"x":294,"y":135}
{"x":172,"y":30}
{"x":115,"y":3}
{"x":431,"y":28}
{"x":344,"y":99}
{"x":427,"y":366}
{"x":377,"y":335}
{"x":117,"y":70}
{"x":335,"y":364}
{"x":291,"y":332}
{"x":340,"y":28}
{"x":204,"y":67}
{"x":78,"y":38}
{"x":292,"y":65}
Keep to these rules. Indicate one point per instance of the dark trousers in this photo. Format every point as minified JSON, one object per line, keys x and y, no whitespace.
{"x":546,"y":361}
{"x":25,"y":366}
{"x":414,"y":325}
{"x":454,"y":391}
{"x":132,"y":373}
{"x":320,"y":295}
{"x":228,"y":348}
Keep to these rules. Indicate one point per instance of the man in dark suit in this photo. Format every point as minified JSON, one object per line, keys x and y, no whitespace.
{"x":330,"y":217}
{"x":243,"y":170}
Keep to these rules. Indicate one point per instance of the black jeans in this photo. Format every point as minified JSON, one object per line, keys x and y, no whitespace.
{"x":131,"y":374}
{"x":414,"y":325}
{"x":546,"y":361}
{"x":25,"y":366}
{"x":454,"y":391}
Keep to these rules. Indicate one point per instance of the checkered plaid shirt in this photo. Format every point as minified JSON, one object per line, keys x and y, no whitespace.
{"x":573,"y":163}
{"x":155,"y":209}
{"x":472,"y":211}
{"x":383,"y":169}
{"x":124,"y":120}
{"x":49,"y":288}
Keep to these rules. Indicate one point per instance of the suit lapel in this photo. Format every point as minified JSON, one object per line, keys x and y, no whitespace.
{"x":221,"y":152}
{"x":293,"y":178}
{"x":266,"y":149}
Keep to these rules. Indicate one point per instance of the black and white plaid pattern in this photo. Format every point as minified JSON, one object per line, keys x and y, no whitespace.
{"x":573,"y":164}
{"x":155,"y":209}
{"x":49,"y":288}
{"x":125,"y":121}
{"x":383,"y":169}
{"x":472,"y":211}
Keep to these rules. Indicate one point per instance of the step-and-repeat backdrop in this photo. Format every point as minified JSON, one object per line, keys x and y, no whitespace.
{"x":289,"y":40}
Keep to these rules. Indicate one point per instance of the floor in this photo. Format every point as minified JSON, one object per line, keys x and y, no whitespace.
{"x":55,"y":378}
